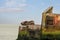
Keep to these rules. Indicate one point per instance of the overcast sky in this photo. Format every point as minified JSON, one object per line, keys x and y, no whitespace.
{"x":16,"y":11}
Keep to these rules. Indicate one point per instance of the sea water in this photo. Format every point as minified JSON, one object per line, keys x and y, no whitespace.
{"x":8,"y":31}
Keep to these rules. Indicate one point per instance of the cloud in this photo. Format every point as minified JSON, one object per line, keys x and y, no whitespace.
{"x":15,"y":3}
{"x":24,"y":0}
{"x":13,"y":6}
{"x":10,"y":3}
{"x":22,"y":5}
{"x":11,"y":10}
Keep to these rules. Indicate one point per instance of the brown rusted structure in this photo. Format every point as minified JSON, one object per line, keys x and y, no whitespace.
{"x":50,"y":19}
